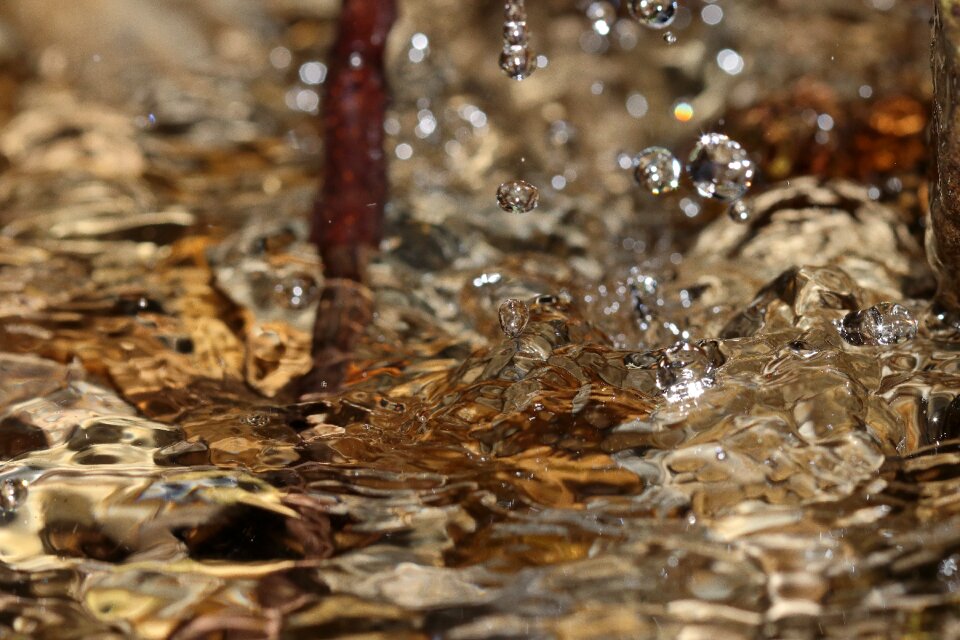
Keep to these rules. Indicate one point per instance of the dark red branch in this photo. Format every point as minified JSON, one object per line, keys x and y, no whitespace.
{"x":348,"y":214}
{"x":347,"y":222}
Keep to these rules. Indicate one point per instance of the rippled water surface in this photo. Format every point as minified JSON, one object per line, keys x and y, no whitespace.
{"x":704,"y":429}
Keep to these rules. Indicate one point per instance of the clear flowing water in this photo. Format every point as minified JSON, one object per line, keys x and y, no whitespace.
{"x":688,"y":426}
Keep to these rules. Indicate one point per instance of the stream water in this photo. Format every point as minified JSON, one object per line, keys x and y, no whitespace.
{"x":688,"y":427}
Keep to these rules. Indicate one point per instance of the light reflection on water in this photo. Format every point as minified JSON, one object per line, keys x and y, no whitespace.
{"x":588,"y":477}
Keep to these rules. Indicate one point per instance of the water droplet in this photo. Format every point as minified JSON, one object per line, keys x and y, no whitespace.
{"x":720,"y":168}
{"x":657,"y":170}
{"x":515,"y":33}
{"x":670,"y":37}
{"x":721,"y":454}
{"x":518,"y":62}
{"x":740,"y":211}
{"x":13,"y":491}
{"x":514,"y":316}
{"x":602,"y":15}
{"x":882,"y":324}
{"x":686,"y":370}
{"x":656,"y":14}
{"x":518,"y":196}
{"x":295,"y":291}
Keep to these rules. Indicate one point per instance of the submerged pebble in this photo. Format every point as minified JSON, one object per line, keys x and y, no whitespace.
{"x":886,"y":323}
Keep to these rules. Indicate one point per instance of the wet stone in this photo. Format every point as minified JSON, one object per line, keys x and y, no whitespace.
{"x":883,"y":324}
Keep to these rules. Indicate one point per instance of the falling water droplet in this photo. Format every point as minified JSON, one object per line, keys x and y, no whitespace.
{"x":518,"y":196}
{"x":602,"y":15}
{"x":515,"y":33}
{"x":295,"y":291}
{"x":518,"y":62}
{"x":720,"y":168}
{"x":670,"y":37}
{"x":740,"y":211}
{"x":657,"y":170}
{"x":12,"y":494}
{"x":656,"y":14}
{"x":514,"y":316}
{"x":686,"y":370}
{"x":517,"y":59}
{"x":882,"y":324}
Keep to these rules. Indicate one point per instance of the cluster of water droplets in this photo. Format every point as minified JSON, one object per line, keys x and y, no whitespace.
{"x":720,"y":169}
{"x":517,"y":60}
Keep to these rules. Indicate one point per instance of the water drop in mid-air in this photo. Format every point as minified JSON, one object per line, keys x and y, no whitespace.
{"x":657,"y":170}
{"x":517,"y":60}
{"x":518,"y":196}
{"x":295,"y":291}
{"x":670,"y":37}
{"x":882,"y":324}
{"x":514,"y":316}
{"x":656,"y":14}
{"x":720,"y":168}
{"x":740,"y":211}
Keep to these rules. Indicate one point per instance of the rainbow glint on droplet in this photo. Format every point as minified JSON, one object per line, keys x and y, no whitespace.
{"x":683,"y":111}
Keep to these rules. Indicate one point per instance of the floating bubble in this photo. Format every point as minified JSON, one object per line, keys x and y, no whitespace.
{"x":720,"y":168}
{"x":518,"y":62}
{"x":514,"y":316}
{"x":657,"y":170}
{"x":13,"y":491}
{"x":655,"y":14}
{"x":882,"y":324}
{"x":670,"y":37}
{"x":740,"y":211}
{"x":518,"y":196}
